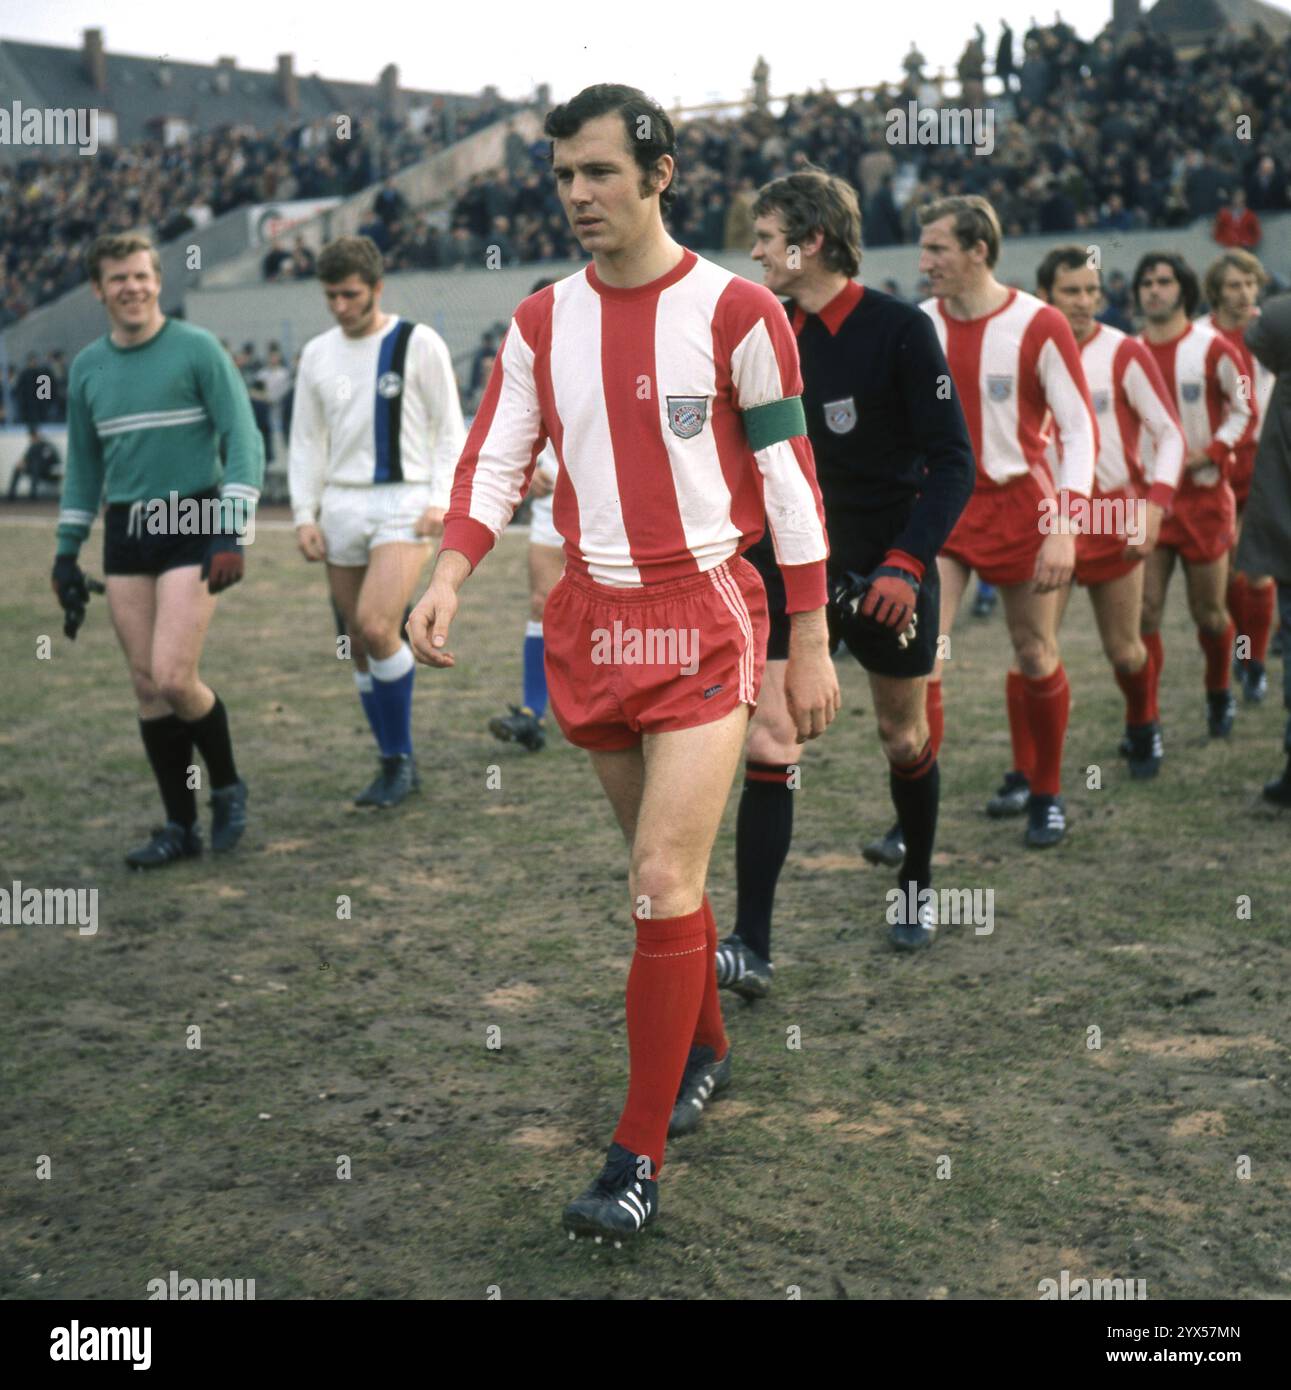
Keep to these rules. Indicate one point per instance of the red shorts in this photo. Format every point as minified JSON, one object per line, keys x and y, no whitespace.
{"x":1100,"y":556}
{"x":998,"y":534}
{"x":1203,"y":523}
{"x":626,"y":662}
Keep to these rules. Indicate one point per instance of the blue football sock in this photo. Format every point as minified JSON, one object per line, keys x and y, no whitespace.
{"x":363,"y":679}
{"x":535,"y":673}
{"x":392,"y":698}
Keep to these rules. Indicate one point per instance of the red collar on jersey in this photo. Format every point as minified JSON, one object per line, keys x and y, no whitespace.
{"x":835,"y":312}
{"x":683,"y":266}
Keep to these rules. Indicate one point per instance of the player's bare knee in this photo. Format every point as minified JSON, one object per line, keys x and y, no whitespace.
{"x":1210,"y":617}
{"x":1127,"y":657}
{"x":772,"y":743}
{"x":145,"y":688}
{"x":175,"y":685}
{"x":1037,"y":657}
{"x":661,"y":879}
{"x":900,"y":740}
{"x":537,"y":602}
{"x":378,"y":635}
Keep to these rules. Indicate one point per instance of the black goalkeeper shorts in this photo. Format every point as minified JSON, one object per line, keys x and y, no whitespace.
{"x":858,"y":543}
{"x":132,"y":546}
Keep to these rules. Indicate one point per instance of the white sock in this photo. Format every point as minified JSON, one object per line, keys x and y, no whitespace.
{"x":392,"y":668}
{"x":534,"y":629}
{"x":363,"y":679}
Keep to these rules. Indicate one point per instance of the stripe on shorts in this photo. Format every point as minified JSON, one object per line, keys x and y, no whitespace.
{"x":724,"y":583}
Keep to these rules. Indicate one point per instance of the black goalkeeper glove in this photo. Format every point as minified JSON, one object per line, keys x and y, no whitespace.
{"x":73,"y":587}
{"x":875,"y":602}
{"x":224,"y":563}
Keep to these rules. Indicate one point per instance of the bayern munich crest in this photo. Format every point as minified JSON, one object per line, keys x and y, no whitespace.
{"x":840,"y":416}
{"x":389,"y":384}
{"x":1192,"y":391}
{"x":1000,"y":388}
{"x":686,"y":415}
{"x":1101,"y":399}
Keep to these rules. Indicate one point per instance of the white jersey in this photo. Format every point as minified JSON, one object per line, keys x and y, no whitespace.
{"x":373,"y":410}
{"x":1130,"y":398}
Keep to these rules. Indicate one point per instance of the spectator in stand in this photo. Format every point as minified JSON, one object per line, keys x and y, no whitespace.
{"x":277,"y":262}
{"x":302,"y":259}
{"x":1116,"y":302}
{"x":1203,"y":185}
{"x":390,"y":205}
{"x":39,"y":465}
{"x":35,"y":391}
{"x":1266,"y":190}
{"x":1236,"y":225}
{"x":1004,"y":68}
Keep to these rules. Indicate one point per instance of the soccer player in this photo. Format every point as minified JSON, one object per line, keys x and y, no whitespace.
{"x":1203,"y":375}
{"x":1129,"y":396}
{"x":153,"y":408}
{"x":895,"y":469}
{"x":525,"y":724}
{"x":670,"y":390}
{"x":1233,"y":284}
{"x":1014,"y":361}
{"x":376,"y":429}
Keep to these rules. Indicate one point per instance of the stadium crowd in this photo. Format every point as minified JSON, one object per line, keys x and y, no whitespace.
{"x":50,"y":210}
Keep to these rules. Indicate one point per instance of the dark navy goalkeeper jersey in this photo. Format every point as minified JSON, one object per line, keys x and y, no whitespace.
{"x":884,"y":418}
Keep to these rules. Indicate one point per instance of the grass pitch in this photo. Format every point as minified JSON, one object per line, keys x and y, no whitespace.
{"x":945,"y":1126}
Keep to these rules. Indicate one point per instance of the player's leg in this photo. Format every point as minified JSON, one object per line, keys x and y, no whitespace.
{"x":344,"y":583}
{"x":1252,"y":604}
{"x":914,"y":782}
{"x":1215,"y":633}
{"x":185,"y":607}
{"x":388,"y":584}
{"x":1044,"y":700}
{"x":763,"y":832}
{"x":1158,"y":569}
{"x":986,"y":600}
{"x":1118,"y":606}
{"x":167,"y":740}
{"x":525,"y":723}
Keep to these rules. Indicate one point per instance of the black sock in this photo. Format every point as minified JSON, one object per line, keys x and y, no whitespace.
{"x":170,"y":751}
{"x":211,"y":735}
{"x":763,"y":829}
{"x":916,"y":792}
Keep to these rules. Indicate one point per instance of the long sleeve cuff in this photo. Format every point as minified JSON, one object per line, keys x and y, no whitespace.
{"x":903,"y":560}
{"x":472,"y":538}
{"x":804,"y":587}
{"x":1161,"y":495}
{"x":304,"y":516}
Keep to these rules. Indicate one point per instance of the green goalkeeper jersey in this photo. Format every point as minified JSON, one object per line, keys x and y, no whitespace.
{"x":171,"y":415}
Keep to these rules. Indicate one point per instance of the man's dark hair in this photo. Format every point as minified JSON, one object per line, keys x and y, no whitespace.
{"x":1183,"y":272}
{"x":646,"y":124}
{"x":350,"y":255}
{"x":813,"y":199}
{"x":1070,"y":257}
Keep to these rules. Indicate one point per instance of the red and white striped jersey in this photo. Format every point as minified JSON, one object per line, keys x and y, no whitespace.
{"x":1130,"y":398}
{"x":1203,"y":373}
{"x":1012,"y":368}
{"x":1261,"y":390}
{"x":641,"y":393}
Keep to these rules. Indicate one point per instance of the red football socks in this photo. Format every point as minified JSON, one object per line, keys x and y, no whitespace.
{"x":1048,"y":704}
{"x":1258,"y":611}
{"x":1140,"y":690}
{"x":665,"y":992}
{"x":709,"y":1031}
{"x":1218,"y":647}
{"x":1015,"y":692}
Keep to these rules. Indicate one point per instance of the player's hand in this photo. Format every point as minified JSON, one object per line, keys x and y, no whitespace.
{"x":889,"y":601}
{"x":310,"y":543}
{"x":1055,"y":563}
{"x":73,"y":588}
{"x":428,"y":625}
{"x":224,"y":563}
{"x":430,"y":522}
{"x":1151,"y":534}
{"x":810,"y":681}
{"x":541,"y":485}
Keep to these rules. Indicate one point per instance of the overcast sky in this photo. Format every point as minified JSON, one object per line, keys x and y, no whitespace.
{"x":696,"y":51}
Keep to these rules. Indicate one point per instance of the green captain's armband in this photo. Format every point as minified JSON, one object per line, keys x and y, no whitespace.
{"x":774,"y":422}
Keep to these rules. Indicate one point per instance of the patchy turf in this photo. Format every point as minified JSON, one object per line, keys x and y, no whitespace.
{"x":943,"y":1128}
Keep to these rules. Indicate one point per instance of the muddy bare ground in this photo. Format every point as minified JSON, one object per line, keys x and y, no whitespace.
{"x":944,"y":1129}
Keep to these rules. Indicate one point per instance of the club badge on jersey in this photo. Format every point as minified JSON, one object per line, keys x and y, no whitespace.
{"x":1000,"y":388}
{"x":840,"y":416}
{"x":686,"y":415}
